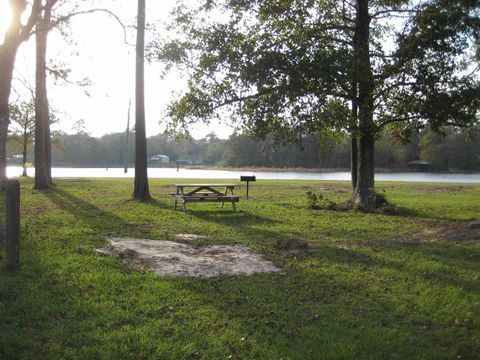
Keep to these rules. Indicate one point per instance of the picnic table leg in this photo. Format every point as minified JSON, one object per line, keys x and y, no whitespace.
{"x":234,"y":206}
{"x":175,"y":204}
{"x":176,"y":201}
{"x":184,"y":205}
{"x":224,"y":193}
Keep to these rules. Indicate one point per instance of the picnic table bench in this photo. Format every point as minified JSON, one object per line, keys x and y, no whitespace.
{"x":204,"y":193}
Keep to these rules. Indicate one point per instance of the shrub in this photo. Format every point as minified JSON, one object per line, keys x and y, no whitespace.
{"x":319,"y":202}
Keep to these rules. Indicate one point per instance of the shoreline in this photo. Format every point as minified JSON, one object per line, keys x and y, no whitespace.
{"x":266,"y":169}
{"x":322,"y":170}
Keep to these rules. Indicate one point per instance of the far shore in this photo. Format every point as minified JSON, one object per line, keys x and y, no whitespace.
{"x":262,"y":169}
{"x":316,"y":170}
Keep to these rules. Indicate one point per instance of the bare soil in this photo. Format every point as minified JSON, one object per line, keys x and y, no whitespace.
{"x":464,"y":231}
{"x":170,"y":258}
{"x":186,"y":258}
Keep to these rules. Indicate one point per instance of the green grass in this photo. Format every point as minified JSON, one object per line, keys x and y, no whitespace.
{"x":351,"y":296}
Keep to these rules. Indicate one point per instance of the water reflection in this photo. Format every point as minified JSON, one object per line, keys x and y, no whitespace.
{"x":171,"y":173}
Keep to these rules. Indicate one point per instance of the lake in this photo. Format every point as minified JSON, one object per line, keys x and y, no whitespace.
{"x":172,"y":173}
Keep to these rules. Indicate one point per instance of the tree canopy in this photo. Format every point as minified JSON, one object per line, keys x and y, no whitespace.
{"x":296,"y":67}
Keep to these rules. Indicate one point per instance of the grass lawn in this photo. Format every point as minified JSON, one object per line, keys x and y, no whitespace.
{"x":354,"y":294}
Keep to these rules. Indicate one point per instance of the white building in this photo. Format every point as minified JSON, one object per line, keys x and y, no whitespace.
{"x":162,"y":159}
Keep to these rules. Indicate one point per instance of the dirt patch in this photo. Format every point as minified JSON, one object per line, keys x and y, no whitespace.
{"x":429,"y":188}
{"x":189,"y":238}
{"x":179,"y":259}
{"x":331,"y":188}
{"x":465,"y":231}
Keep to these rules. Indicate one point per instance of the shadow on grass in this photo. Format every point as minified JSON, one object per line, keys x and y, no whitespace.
{"x":329,"y":304}
{"x":312,"y":314}
{"x":98,"y":219}
{"x":33,"y":306}
{"x":227,"y":217}
{"x":247,"y":225}
{"x":467,"y":257}
{"x":435,"y":264}
{"x":84,"y":211}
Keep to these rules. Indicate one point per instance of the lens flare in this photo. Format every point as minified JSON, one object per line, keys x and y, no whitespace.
{"x":5,"y":16}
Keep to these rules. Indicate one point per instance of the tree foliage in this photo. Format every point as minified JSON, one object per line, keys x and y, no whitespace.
{"x":433,"y":78}
{"x":454,"y":151}
{"x":296,"y":67}
{"x":22,"y":127}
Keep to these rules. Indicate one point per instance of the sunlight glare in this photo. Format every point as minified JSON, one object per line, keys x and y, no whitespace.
{"x":5,"y":16}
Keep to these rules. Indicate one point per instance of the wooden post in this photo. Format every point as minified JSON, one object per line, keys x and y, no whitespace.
{"x":248,"y":179}
{"x":12,"y":245}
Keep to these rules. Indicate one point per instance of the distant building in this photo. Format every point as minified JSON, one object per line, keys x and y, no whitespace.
{"x":161,"y":159}
{"x":420,"y":165}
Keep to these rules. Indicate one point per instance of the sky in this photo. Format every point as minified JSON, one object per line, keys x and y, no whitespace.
{"x":96,"y":50}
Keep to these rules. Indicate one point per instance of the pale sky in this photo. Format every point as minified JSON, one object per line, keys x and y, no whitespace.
{"x":100,"y":54}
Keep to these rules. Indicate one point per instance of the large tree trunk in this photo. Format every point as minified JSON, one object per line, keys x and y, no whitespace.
{"x":14,"y":36}
{"x":7,"y":60}
{"x":354,"y":125}
{"x":354,"y":159}
{"x":48,"y":151}
{"x":141,"y":190}
{"x":42,"y":115}
{"x":354,"y":135}
{"x":8,"y":52}
{"x":364,"y":194}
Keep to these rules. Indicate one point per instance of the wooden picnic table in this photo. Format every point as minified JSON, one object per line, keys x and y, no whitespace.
{"x":204,"y":193}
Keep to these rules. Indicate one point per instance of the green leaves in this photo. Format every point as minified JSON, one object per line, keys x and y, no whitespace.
{"x":433,"y":65}
{"x":290,"y":65}
{"x":268,"y":63}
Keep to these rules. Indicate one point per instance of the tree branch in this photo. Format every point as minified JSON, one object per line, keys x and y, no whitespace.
{"x":395,"y":120}
{"x":61,"y":75}
{"x":238,"y":99}
{"x":389,"y":11}
{"x":66,"y":18}
{"x":26,"y":30}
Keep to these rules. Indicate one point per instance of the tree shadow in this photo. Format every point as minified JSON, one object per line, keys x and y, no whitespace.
{"x":307,"y":314}
{"x":310,"y":311}
{"x":92,"y":215}
{"x":442,"y":255}
{"x":244,"y":223}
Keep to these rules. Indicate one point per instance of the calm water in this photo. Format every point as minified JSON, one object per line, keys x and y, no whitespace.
{"x":170,"y":173}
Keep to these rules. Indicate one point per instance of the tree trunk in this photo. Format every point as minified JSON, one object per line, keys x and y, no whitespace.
{"x":354,"y":125}
{"x":41,"y":103}
{"x":14,"y":36}
{"x":364,"y":194}
{"x":12,"y":205}
{"x":4,"y":121}
{"x":24,"y":151}
{"x":354,"y":159}
{"x":354,"y":135}
{"x":127,"y":135}
{"x":141,"y":190}
{"x":48,"y":151}
{"x":8,"y":52}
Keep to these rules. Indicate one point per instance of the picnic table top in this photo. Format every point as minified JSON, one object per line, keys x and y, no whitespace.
{"x":205,"y":185}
